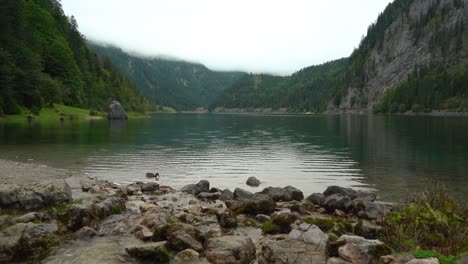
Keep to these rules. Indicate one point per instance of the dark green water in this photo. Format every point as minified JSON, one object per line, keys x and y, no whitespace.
{"x":395,"y":155}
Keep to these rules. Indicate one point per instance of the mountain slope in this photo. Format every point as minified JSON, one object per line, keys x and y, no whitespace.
{"x":414,"y":55}
{"x":44,"y":60}
{"x":181,"y":85}
{"x":301,"y":92}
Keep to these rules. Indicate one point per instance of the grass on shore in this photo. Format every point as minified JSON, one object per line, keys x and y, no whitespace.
{"x":58,"y":111}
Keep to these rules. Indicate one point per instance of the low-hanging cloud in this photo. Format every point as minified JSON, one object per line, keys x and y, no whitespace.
{"x":250,"y":35}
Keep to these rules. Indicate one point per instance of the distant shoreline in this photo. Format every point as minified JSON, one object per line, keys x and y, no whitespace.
{"x":351,"y":112}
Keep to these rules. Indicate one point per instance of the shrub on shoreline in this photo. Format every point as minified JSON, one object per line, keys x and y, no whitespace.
{"x":431,"y":220}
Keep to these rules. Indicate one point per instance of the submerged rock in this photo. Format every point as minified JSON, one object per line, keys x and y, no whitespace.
{"x":116,"y":111}
{"x":252,"y":181}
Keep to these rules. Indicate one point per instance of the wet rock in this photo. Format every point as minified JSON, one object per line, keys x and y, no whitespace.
{"x":252,"y":181}
{"x":226,"y":195}
{"x":227,"y":220}
{"x":116,"y":111}
{"x":230,"y":250}
{"x":371,"y":210}
{"x":337,"y":201}
{"x":365,"y":196}
{"x":215,"y":190}
{"x":180,"y":240}
{"x":352,"y":194}
{"x":85,"y":233}
{"x":208,"y":196}
{"x":360,"y":250}
{"x":241,"y":194}
{"x":278,"y":194}
{"x":295,"y":193}
{"x":316,"y":198}
{"x":195,"y":189}
{"x":155,"y":252}
{"x":150,"y":187}
{"x":133,"y":188}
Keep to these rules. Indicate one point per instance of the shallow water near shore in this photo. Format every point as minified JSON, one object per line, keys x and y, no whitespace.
{"x":395,"y":155}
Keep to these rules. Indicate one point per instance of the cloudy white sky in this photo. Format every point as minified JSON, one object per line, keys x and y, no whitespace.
{"x":251,"y":35}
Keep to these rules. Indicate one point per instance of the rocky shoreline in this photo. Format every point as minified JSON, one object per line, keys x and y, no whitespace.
{"x":146,"y":222}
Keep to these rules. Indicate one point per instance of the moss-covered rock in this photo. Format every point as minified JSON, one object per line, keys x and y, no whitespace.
{"x":155,"y":252}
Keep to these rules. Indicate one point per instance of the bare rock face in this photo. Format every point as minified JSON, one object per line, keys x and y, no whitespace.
{"x":230,"y":250}
{"x":116,"y":111}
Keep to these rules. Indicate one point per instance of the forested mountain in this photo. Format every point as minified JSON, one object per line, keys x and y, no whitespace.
{"x":414,"y":57}
{"x":301,"y":92}
{"x":181,"y":85}
{"x":44,"y":59}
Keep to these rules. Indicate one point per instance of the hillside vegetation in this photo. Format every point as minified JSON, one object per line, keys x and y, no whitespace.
{"x":44,"y":60}
{"x":178,"y":84}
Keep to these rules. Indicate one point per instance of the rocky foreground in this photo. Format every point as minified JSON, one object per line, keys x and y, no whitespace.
{"x":146,"y":222}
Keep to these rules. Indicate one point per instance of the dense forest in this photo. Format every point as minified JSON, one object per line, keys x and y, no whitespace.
{"x":44,"y":60}
{"x":438,"y":83}
{"x":303,"y":91}
{"x":178,"y":84}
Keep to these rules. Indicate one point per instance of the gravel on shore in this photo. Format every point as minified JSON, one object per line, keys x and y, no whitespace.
{"x":20,"y":172}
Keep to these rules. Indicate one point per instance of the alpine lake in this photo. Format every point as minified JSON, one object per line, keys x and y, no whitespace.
{"x":393,"y":155}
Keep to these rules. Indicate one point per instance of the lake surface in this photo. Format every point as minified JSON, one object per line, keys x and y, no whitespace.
{"x":395,"y":155}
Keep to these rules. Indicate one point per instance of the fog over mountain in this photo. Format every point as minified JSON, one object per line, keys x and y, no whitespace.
{"x":257,"y":36}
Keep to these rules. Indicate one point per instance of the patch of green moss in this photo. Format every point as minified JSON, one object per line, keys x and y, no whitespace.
{"x":162,"y":255}
{"x":249,"y":222}
{"x":324,"y":224}
{"x":422,"y":254}
{"x":34,"y":249}
{"x":270,"y":228}
{"x":379,"y":251}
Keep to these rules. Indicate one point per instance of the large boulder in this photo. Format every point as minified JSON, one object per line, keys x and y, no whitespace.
{"x":230,"y":250}
{"x":155,"y":252}
{"x":295,"y":193}
{"x":26,"y":240}
{"x":299,"y":247}
{"x":360,"y":250}
{"x":316,"y":198}
{"x":337,"y":201}
{"x":278,"y":194}
{"x":260,"y":204}
{"x":34,"y":195}
{"x":241,"y":194}
{"x":352,"y":194}
{"x":195,"y":189}
{"x":371,"y":210}
{"x":116,"y":111}
{"x":181,"y":240}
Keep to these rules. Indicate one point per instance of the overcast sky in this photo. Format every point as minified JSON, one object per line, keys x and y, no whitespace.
{"x":251,"y":35}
